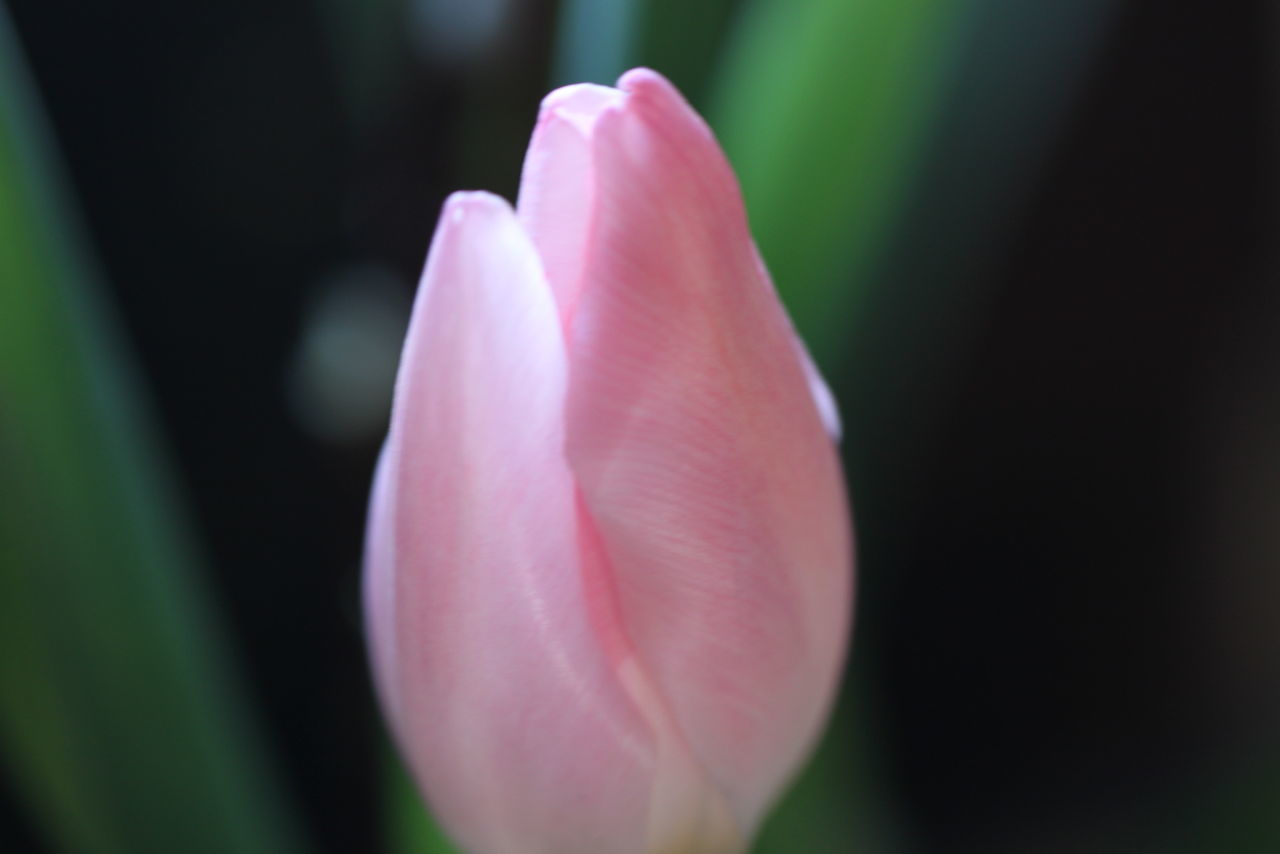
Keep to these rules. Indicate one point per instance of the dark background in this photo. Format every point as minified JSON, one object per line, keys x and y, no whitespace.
{"x":1070,"y":621}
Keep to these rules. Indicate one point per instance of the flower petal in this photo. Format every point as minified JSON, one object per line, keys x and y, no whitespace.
{"x":557,"y":190}
{"x":513,"y":719}
{"x":700,"y":453}
{"x":556,"y":186}
{"x":380,"y":586}
{"x":821,"y":392}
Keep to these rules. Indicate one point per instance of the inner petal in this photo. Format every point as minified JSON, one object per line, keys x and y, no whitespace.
{"x":557,"y":187}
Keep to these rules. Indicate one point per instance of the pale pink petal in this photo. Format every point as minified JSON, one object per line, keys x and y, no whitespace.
{"x":514,"y":720}
{"x":700,"y":453}
{"x":380,"y":585}
{"x":823,"y":399}
{"x":557,"y":190}
{"x":556,"y":186}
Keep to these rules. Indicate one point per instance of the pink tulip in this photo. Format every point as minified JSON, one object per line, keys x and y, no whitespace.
{"x":608,"y":574}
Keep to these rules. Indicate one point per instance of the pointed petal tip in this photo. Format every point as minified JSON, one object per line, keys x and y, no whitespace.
{"x":654,"y":95}
{"x":461,"y":205}
{"x":575,"y":92}
{"x":647,"y":84}
{"x":579,"y":104}
{"x":640,"y":79}
{"x":473,"y":218}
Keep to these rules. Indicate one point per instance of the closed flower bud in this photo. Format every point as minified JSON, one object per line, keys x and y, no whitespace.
{"x":608,"y":570}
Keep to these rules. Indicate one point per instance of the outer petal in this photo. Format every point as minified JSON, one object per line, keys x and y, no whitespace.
{"x":380,"y":586}
{"x":512,"y":718}
{"x":700,"y":453}
{"x":557,"y":198}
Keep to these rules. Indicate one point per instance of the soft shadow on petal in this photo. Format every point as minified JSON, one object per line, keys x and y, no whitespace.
{"x":513,"y":720}
{"x":701,"y":455}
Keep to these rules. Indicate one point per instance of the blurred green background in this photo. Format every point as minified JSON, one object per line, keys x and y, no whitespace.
{"x":1031,"y":245}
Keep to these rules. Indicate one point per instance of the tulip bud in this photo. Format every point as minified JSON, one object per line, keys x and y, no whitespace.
{"x":608,"y":570}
